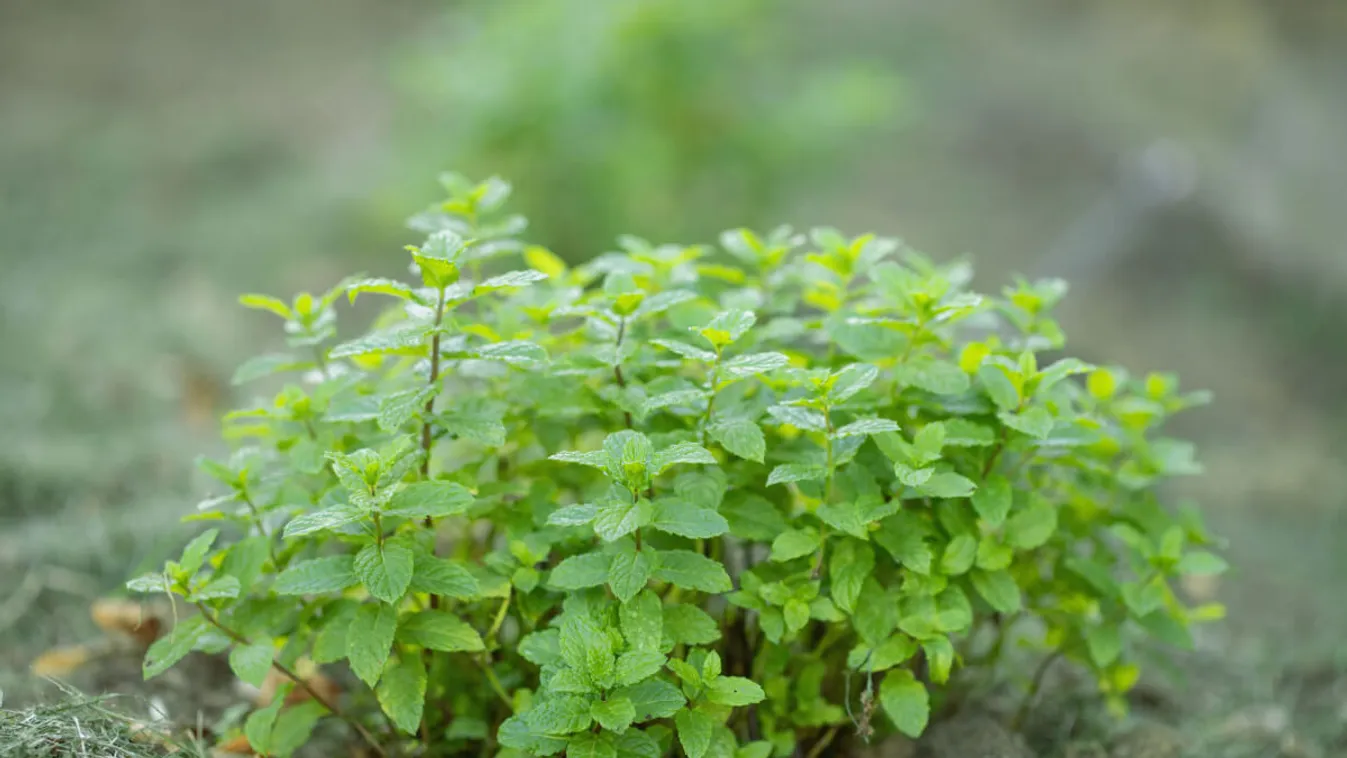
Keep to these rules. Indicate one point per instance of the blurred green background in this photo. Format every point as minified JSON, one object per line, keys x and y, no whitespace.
{"x":1182,"y":164}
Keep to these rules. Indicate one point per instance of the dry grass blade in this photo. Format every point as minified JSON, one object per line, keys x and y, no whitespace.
{"x":82,"y":727}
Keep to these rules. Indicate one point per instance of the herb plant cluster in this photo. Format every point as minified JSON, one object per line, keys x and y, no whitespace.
{"x":734,"y":501}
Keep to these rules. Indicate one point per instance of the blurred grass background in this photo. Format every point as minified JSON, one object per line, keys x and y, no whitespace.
{"x":1182,"y":164}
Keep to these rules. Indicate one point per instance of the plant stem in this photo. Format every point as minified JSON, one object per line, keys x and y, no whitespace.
{"x":292,"y":676}
{"x":617,"y":364}
{"x":823,"y":742}
{"x":261,"y":528}
{"x":495,"y":682}
{"x":827,"y":494}
{"x":426,"y":431}
{"x":1034,"y":687}
{"x":710,"y":400}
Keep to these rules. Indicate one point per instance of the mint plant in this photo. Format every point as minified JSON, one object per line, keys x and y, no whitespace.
{"x":734,"y":501}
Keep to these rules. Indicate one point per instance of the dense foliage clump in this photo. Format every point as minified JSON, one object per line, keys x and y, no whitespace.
{"x":731,"y":501}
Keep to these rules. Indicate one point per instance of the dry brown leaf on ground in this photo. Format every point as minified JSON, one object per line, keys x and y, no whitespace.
{"x":122,"y":618}
{"x":326,"y":688}
{"x":234,"y":746}
{"x":62,"y":661}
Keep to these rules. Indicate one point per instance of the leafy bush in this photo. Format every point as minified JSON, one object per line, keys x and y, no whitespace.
{"x":732,"y":499}
{"x":674,"y":118}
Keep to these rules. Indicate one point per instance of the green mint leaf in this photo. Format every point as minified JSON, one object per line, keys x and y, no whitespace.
{"x":692,"y":571}
{"x":947,"y":484}
{"x":581,"y":571}
{"x":294,"y":726}
{"x":616,"y":520}
{"x":317,"y":576}
{"x":600,"y":745}
{"x":959,"y":555}
{"x":574,"y":515}
{"x":266,"y":303}
{"x":386,"y":571}
{"x":740,"y":437}
{"x":1033,"y":526}
{"x":321,"y":521}
{"x":905,"y":701}
{"x":261,"y":722}
{"x":194,"y":555}
{"x":689,"y":625}
{"x":1201,"y":563}
{"x":636,"y":666}
{"x":629,"y":571}
{"x":369,"y":640}
{"x":686,"y":350}
{"x":802,"y":418}
{"x":260,"y":366}
{"x":653,"y":699}
{"x":437,"y":576}
{"x":752,"y":517}
{"x":851,"y":380}
{"x":751,"y":364}
{"x":430,"y":499}
{"x":1036,"y":422}
{"x":173,"y":646}
{"x":865,"y":427}
{"x":642,"y":620}
{"x":683,"y":452}
{"x":694,"y":732}
{"x":250,"y":663}
{"x":734,"y":691}
{"x":796,"y":472}
{"x":795,"y":544}
{"x":402,"y":692}
{"x":998,"y":589}
{"x":438,"y":630}
{"x":992,"y":500}
{"x":849,"y":565}
{"x":562,"y":715}
{"x":934,"y":376}
{"x":903,"y":536}
{"x":686,"y":520}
